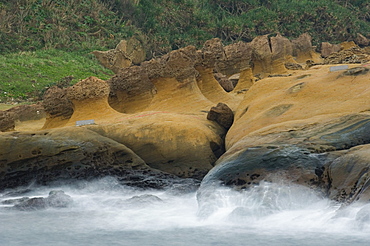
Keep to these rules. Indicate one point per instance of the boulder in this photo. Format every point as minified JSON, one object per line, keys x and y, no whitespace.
{"x":328,"y":49}
{"x":126,"y":53}
{"x":222,"y":114}
{"x":269,"y":54}
{"x":226,"y":84}
{"x":361,"y":40}
{"x":303,"y":49}
{"x":56,"y":199}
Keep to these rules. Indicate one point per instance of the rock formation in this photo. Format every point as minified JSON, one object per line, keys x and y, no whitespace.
{"x":126,"y":53}
{"x":306,"y":131}
{"x":6,"y":121}
{"x":286,"y":118}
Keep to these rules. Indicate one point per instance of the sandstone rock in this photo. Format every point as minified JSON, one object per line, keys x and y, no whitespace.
{"x":222,"y":114}
{"x":6,"y":121}
{"x":180,"y":64}
{"x":347,"y":45}
{"x":361,"y":40}
{"x":28,"y":112}
{"x":224,"y":82}
{"x":270,"y":54}
{"x":90,"y":101}
{"x":301,"y":133}
{"x":328,"y":49}
{"x":112,"y":59}
{"x":303,"y":50}
{"x":124,"y":55}
{"x":293,"y":66}
{"x":131,"y":90}
{"x":349,"y":175}
{"x":57,"y":106}
{"x":234,"y":79}
{"x":67,"y":153}
{"x":348,"y":56}
{"x":238,"y":56}
{"x":183,"y":145}
{"x":212,"y":52}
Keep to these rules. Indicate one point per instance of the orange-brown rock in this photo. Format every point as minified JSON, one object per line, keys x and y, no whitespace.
{"x":303,"y":50}
{"x":361,"y":40}
{"x":7,"y":122}
{"x":305,"y":131}
{"x":90,"y":101}
{"x":222,"y":114}
{"x":238,"y":57}
{"x":212,"y":52}
{"x":347,"y":56}
{"x":131,"y":90}
{"x":57,"y":106}
{"x":71,"y":153}
{"x":225,"y":83}
{"x":126,"y":53}
{"x":328,"y":49}
{"x":270,"y":54}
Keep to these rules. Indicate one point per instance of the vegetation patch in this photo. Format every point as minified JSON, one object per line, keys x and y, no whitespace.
{"x":26,"y":75}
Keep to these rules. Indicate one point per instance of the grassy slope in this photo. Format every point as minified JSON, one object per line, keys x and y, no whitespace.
{"x":26,"y":74}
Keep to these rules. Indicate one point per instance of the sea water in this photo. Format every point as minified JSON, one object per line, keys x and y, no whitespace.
{"x":104,"y":212}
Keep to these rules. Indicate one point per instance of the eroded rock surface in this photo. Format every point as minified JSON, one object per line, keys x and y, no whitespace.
{"x":290,"y":136}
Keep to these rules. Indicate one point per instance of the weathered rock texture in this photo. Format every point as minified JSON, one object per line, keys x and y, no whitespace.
{"x":57,"y":106}
{"x":126,"y":53}
{"x":347,"y":56}
{"x":312,"y":129}
{"x":303,"y":50}
{"x":287,"y":121}
{"x":6,"y":121}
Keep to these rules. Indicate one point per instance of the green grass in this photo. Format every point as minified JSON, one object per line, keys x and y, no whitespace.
{"x":26,"y":75}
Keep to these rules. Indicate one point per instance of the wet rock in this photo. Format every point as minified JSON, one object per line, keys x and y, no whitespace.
{"x":222,"y":114}
{"x":14,"y":201}
{"x":143,"y":199}
{"x":56,"y":199}
{"x":63,"y":154}
{"x":268,"y":163}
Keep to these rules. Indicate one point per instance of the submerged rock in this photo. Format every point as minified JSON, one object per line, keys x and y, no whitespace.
{"x":56,"y":199}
